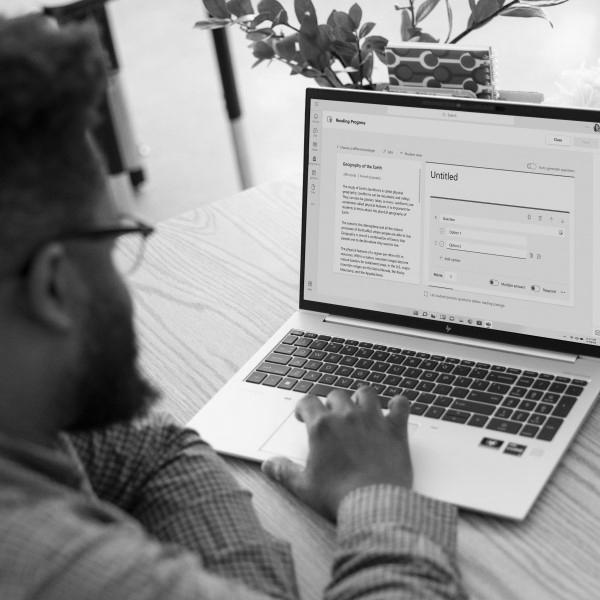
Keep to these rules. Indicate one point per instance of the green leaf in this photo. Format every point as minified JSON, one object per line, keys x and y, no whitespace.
{"x":343,"y":21}
{"x":260,"y":18}
{"x":450,"y":19}
{"x":377,"y":44}
{"x":217,"y":8}
{"x":275,"y":11}
{"x":288,"y":47}
{"x":240,"y":8}
{"x":526,"y":11}
{"x":213,"y":23}
{"x":483,"y":9}
{"x":366,"y":29}
{"x":405,"y":25}
{"x":305,"y":10}
{"x":426,"y":37}
{"x":344,"y":50}
{"x":260,"y":34}
{"x":425,"y":9}
{"x":262,"y":50}
{"x":472,"y":4}
{"x":355,"y":13}
{"x":547,"y":2}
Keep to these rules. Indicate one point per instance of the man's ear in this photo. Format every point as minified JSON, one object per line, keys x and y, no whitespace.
{"x":51,"y":288}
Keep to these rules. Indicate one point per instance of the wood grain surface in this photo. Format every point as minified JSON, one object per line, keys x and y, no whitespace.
{"x":216,"y":282}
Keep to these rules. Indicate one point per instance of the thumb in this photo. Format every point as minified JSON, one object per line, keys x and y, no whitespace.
{"x":286,"y":472}
{"x":398,"y":416}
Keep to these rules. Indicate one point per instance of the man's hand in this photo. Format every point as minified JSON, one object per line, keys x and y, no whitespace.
{"x":351,"y":445}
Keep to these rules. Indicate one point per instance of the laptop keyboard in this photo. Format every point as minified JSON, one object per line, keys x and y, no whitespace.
{"x":496,"y":397}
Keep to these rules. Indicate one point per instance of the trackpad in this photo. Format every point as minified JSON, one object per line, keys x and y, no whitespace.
{"x":289,"y":440}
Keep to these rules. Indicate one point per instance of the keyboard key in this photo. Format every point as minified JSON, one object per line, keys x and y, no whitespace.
{"x":338,"y":340}
{"x":425,"y":386}
{"x":559,"y":388}
{"x":396,"y":370}
{"x":438,"y":357}
{"x":280,"y":359}
{"x":574,"y":390}
{"x":474,"y":407}
{"x":376,"y":377}
{"x":498,"y":388}
{"x":429,"y":375}
{"x":303,"y":352}
{"x":318,"y":344}
{"x":364,"y":363}
{"x":409,"y":383}
{"x":453,"y":361}
{"x":318,"y":354}
{"x":379,"y":347}
{"x":564,"y":406}
{"x":530,"y":374}
{"x":289,"y":339}
{"x":546,"y":376}
{"x":256,"y":377}
{"x":442,"y":389}
{"x":328,"y":379}
{"x":352,"y":342}
{"x":423,"y":354}
{"x":365,"y":345}
{"x":461,"y":371}
{"x":518,"y":392}
{"x":459,"y":392}
{"x":313,"y":365}
{"x":303,"y":342}
{"x":501,"y":377}
{"x":444,"y":367}
{"x":409,"y":352}
{"x":392,"y":380}
{"x":380,"y":356}
{"x":333,"y":347}
{"x":478,"y":373}
{"x":536,"y":419}
{"x":529,"y":431}
{"x":332,"y":357}
{"x":580,"y":382}
{"x":543,"y":408}
{"x":429,"y":365}
{"x":480,"y":384}
{"x":549,"y":430}
{"x":484,"y":397}
{"x":410,"y":394}
{"x":287,"y":383}
{"x":413,"y":373}
{"x":477,"y":420}
{"x":503,"y":413}
{"x":435,"y":412}
{"x":520,"y":415}
{"x":344,"y":382}
{"x":328,"y":368}
{"x":396,"y":359}
{"x":551,"y":397}
{"x":285,"y":349}
{"x":534,"y":394}
{"x":426,"y":397}
{"x":503,"y":426}
{"x":272,"y":380}
{"x":481,"y":365}
{"x":324,"y":337}
{"x":303,"y":386}
{"x":514,"y":371}
{"x":344,"y":371}
{"x":416,"y":408}
{"x":563,"y":379}
{"x":312,"y":376}
{"x":446,"y":378}
{"x":412,"y":361}
{"x":310,"y":335}
{"x":348,"y":361}
{"x":392,"y":391}
{"x":467,"y":363}
{"x":382,"y":367}
{"x":297,"y":373}
{"x":360,"y":374}
{"x":498,"y":368}
{"x":525,"y":381}
{"x":527,"y":405}
{"x":455,"y":416}
{"x":273,"y":368}
{"x":541,"y":384}
{"x":297,"y":362}
{"x":363,"y":353}
{"x":321,"y":390}
{"x":510,"y":402}
{"x":442,"y":401}
{"x":296,"y":332}
{"x":464,"y":382}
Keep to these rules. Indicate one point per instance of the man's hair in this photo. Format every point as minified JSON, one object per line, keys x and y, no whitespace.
{"x":51,"y":81}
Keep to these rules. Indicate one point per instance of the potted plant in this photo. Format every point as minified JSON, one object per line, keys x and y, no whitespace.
{"x":340,"y":52}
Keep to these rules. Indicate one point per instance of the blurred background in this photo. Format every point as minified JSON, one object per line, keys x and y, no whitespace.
{"x":174,"y":93}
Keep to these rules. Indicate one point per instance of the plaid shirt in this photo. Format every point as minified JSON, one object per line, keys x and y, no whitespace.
{"x":148,"y":511}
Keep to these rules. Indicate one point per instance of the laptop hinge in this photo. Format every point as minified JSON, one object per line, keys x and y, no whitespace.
{"x":431,"y":335}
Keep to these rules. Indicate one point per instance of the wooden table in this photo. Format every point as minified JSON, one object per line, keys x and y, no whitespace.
{"x":217,"y":282}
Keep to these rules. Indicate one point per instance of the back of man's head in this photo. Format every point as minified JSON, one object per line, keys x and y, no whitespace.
{"x":51,"y":81}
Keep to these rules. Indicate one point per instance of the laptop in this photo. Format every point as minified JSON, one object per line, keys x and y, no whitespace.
{"x":450,"y":251}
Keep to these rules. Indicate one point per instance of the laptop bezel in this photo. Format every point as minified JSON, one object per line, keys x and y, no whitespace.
{"x":454,"y":104}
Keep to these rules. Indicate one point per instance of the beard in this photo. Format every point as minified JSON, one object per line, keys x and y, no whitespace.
{"x":109,"y":386}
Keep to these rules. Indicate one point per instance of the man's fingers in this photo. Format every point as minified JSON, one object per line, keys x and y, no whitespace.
{"x":286,"y":472}
{"x":309,"y":408}
{"x":367,"y":398}
{"x":399,"y":410}
{"x":339,"y":400}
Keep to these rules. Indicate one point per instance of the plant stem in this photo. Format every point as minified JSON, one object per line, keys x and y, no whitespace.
{"x":475,"y":26}
{"x":412,"y":12}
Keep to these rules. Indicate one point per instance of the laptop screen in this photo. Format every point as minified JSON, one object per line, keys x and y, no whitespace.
{"x":467,"y":217}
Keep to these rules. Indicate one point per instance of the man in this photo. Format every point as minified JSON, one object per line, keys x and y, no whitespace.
{"x":99,"y":500}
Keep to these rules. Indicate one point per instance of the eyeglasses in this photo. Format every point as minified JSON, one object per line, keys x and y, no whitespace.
{"x":128,"y":251}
